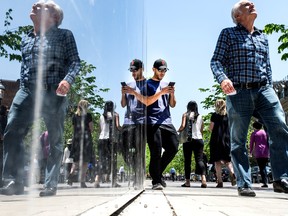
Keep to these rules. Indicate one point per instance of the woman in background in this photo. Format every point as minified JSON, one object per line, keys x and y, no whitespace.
{"x":193,"y":120}
{"x":107,"y":145}
{"x":82,"y":146}
{"x":220,"y":142}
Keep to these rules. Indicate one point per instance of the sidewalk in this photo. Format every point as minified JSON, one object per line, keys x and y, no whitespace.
{"x":173,"y":200}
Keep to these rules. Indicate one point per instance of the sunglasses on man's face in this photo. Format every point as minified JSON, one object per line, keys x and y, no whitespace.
{"x":133,"y":70}
{"x":164,"y":70}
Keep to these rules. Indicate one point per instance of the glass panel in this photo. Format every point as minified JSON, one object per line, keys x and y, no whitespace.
{"x":109,"y":35}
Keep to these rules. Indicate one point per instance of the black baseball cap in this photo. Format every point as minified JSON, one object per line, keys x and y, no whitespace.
{"x":135,"y":64}
{"x":160,"y":64}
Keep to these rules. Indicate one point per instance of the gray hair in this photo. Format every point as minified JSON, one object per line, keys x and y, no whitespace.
{"x":234,"y":11}
{"x":58,"y":12}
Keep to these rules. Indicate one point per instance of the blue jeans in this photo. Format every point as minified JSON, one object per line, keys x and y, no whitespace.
{"x":20,"y":118}
{"x":263,"y":103}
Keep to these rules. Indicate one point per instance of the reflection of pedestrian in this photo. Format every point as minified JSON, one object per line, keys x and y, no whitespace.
{"x":122,"y":173}
{"x":241,"y":65}
{"x":43,"y":154}
{"x":82,"y":146}
{"x":158,"y":97}
{"x":192,"y":120}
{"x":56,"y":50}
{"x":220,"y":142}
{"x":134,"y":127}
{"x":107,"y":145}
{"x":67,"y":160}
{"x":3,"y":123}
{"x":259,"y":148}
{"x":3,"y":120}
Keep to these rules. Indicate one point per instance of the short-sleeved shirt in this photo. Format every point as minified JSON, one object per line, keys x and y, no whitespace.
{"x":136,"y":111}
{"x":159,"y":111}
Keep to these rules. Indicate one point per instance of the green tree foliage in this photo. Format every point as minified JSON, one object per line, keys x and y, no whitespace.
{"x":10,"y":40}
{"x":85,"y":88}
{"x":216,"y":93}
{"x":283,"y":39}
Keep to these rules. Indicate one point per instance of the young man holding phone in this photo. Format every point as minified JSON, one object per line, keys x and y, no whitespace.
{"x":134,"y":133}
{"x":158,"y":96}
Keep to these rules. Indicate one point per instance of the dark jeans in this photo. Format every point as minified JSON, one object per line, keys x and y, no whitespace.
{"x":104,"y":153}
{"x":196,"y":146}
{"x":20,"y":118}
{"x":262,"y":163}
{"x":133,"y":150}
{"x":107,"y":152}
{"x":1,"y":162}
{"x":158,"y":137}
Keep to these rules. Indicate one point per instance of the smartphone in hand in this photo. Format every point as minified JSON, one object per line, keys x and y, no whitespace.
{"x":123,"y":84}
{"x":171,"y":84}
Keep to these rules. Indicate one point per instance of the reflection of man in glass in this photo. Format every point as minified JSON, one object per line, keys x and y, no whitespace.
{"x":133,"y":149}
{"x":51,"y":53}
{"x":158,"y":96}
{"x":3,"y":123}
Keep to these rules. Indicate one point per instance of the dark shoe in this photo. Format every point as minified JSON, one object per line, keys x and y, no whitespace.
{"x":116,"y":185}
{"x":70,"y":180}
{"x":219,"y":185}
{"x":203,"y":185}
{"x":184,"y":185}
{"x":233,"y":180}
{"x":280,"y":186}
{"x":12,"y":188}
{"x":264,"y":186}
{"x":83,"y":185}
{"x":163,"y":183}
{"x":48,"y":192}
{"x":157,"y":186}
{"x":246,"y":192}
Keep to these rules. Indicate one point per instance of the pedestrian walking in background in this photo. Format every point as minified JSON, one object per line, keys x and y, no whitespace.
{"x":3,"y":123}
{"x":220,"y":142}
{"x":43,"y":155}
{"x":107,"y":145}
{"x":192,"y":121}
{"x":122,"y":173}
{"x":67,"y":161}
{"x":173,"y":174}
{"x":82,"y":144}
{"x":259,"y":148}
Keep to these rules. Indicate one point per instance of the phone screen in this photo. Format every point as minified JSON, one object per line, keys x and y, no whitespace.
{"x":171,"y":84}
{"x":123,"y":84}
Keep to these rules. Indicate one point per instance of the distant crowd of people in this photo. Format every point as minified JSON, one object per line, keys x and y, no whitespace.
{"x":241,"y":66}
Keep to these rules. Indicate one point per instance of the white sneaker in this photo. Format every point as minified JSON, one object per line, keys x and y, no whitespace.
{"x":157,"y":186}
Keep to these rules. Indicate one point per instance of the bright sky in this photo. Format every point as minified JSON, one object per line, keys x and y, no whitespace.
{"x":110,"y":33}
